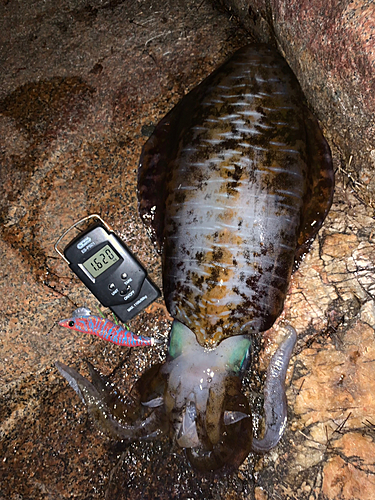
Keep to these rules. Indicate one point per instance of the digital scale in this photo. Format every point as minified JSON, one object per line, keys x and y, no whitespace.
{"x":108,"y":268}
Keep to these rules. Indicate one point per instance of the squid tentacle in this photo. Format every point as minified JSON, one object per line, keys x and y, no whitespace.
{"x":99,"y":405}
{"x":275,"y":403}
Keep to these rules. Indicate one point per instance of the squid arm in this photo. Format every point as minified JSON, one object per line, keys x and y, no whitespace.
{"x":275,"y":403}
{"x":96,"y":395}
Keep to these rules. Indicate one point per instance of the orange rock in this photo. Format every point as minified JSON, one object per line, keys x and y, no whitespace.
{"x":344,"y":481}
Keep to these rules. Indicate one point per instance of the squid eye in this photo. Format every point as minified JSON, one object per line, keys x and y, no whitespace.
{"x":240,"y":356}
{"x":71,"y":323}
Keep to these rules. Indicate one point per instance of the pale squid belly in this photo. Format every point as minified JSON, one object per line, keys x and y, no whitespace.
{"x":235,"y":189}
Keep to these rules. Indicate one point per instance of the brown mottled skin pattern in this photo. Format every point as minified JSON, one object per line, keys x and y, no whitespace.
{"x":233,"y":184}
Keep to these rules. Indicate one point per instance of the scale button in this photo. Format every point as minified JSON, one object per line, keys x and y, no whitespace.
{"x":124,"y":276}
{"x":127,"y":289}
{"x":111,"y":286}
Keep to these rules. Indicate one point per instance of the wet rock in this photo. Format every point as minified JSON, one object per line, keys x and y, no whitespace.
{"x":348,"y":479}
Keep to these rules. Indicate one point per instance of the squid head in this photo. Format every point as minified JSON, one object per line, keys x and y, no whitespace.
{"x":195,"y":397}
{"x":207,"y":412}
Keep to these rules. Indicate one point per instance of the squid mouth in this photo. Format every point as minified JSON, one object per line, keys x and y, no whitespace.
{"x":196,"y":397}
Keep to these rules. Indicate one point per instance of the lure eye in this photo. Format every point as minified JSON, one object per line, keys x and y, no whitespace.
{"x":71,"y":323}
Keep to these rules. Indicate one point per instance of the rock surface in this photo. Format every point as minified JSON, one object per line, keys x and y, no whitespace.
{"x":82,"y":85}
{"x":331,"y":48}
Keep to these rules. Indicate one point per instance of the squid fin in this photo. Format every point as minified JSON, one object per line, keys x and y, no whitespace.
{"x":320,"y":185}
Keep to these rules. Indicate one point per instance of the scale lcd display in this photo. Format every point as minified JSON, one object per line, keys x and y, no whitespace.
{"x":101,"y":261}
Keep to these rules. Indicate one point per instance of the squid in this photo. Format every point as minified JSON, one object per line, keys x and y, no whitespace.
{"x":233,"y":185}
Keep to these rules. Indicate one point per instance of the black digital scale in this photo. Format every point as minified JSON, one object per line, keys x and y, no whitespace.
{"x":108,"y":268}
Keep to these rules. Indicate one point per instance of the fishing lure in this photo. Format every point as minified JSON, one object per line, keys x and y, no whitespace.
{"x":83,"y":321}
